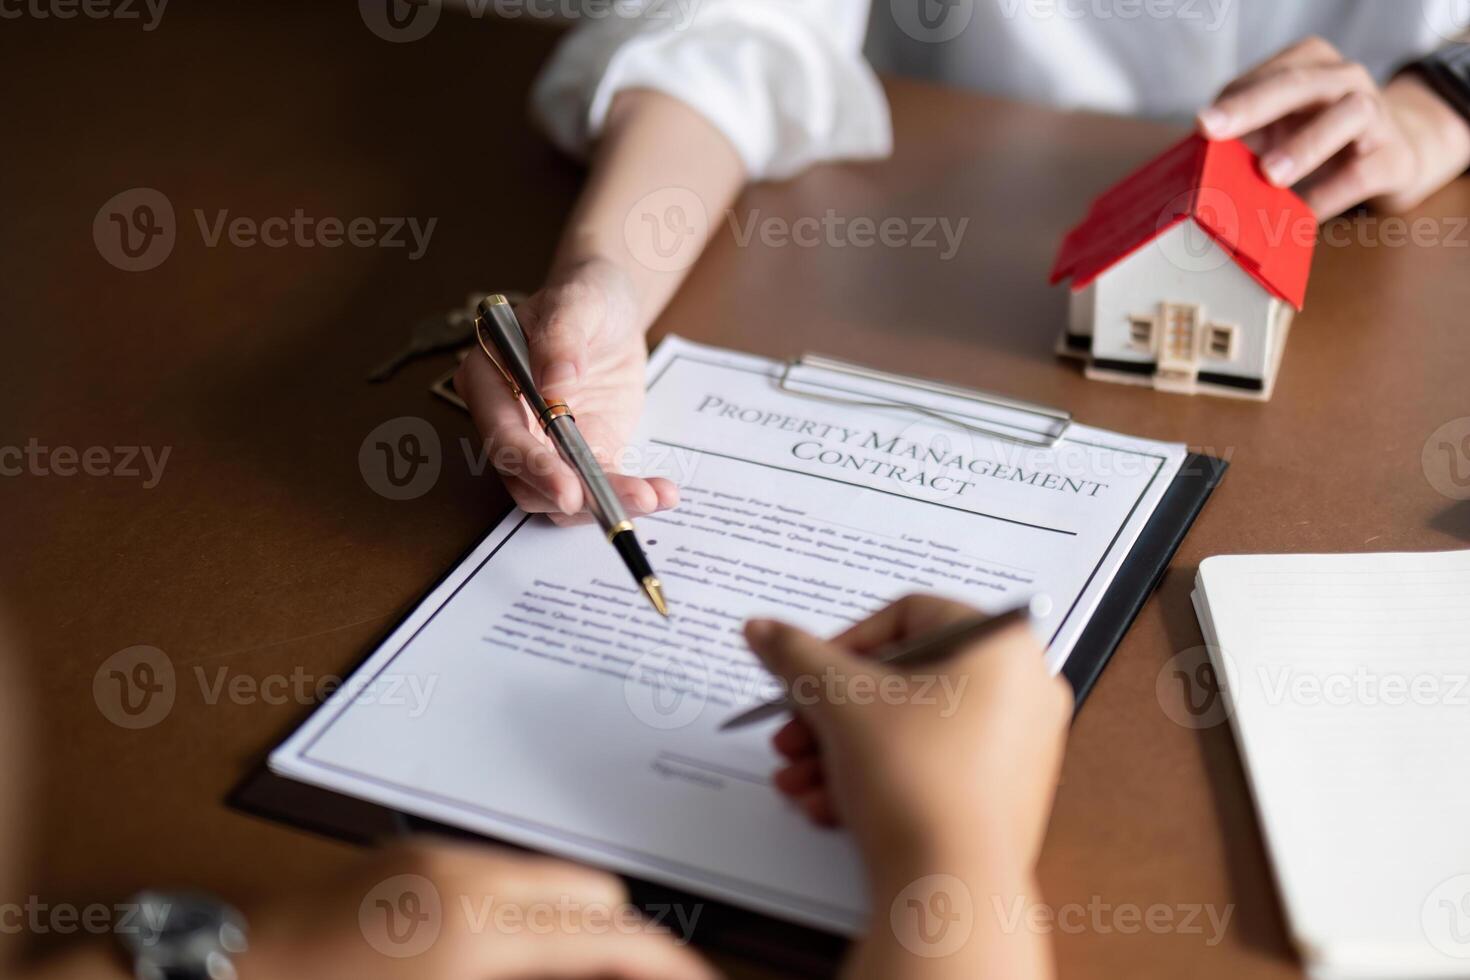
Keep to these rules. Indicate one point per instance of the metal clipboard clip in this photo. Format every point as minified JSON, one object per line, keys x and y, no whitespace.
{"x":1056,"y":422}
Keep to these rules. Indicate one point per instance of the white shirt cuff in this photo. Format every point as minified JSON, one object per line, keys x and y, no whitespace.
{"x":785,"y":92}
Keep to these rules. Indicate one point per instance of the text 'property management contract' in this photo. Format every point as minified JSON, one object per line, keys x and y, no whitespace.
{"x":565,"y":715}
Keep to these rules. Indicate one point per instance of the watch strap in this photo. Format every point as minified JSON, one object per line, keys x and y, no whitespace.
{"x":1448,"y":72}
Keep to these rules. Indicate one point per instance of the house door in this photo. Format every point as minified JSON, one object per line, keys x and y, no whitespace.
{"x":1179,"y":346}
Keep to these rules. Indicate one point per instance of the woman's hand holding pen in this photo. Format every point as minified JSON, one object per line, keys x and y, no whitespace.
{"x":586,"y":326}
{"x":948,"y":792}
{"x":587,"y":349}
{"x":984,"y":740}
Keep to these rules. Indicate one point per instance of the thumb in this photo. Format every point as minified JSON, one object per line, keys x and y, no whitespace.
{"x":566,"y":320}
{"x":804,"y":662}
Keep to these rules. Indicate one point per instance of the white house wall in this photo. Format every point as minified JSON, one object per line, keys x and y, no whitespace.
{"x":1184,"y":265}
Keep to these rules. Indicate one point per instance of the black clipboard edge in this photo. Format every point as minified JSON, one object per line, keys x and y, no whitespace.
{"x":800,"y":950}
{"x":1142,"y":570}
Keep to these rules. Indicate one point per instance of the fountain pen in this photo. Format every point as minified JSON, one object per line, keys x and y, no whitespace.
{"x":503,"y":341}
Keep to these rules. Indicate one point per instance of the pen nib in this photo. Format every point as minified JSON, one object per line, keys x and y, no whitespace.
{"x":655,"y":593}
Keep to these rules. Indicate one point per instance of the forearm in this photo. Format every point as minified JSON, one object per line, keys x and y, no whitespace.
{"x":973,"y":911}
{"x":656,"y":162}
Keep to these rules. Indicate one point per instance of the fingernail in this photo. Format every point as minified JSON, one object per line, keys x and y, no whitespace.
{"x":560,"y":374}
{"x":759,"y":630}
{"x":1278,"y":168}
{"x":1213,"y":120}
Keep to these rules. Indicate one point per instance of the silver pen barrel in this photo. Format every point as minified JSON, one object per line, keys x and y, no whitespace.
{"x":601,"y":499}
{"x":501,"y":338}
{"x":513,"y":357}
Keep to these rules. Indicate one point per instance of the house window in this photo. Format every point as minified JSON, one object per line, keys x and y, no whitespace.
{"x":1220,"y":341}
{"x":1141,"y":332}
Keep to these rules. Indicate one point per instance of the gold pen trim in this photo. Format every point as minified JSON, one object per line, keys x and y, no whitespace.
{"x":497,"y":299}
{"x":619,"y":528}
{"x":655,"y":592}
{"x":554,"y":411}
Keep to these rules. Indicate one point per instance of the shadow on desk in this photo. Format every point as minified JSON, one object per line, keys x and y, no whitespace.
{"x":1246,"y":862}
{"x":1454,"y":520}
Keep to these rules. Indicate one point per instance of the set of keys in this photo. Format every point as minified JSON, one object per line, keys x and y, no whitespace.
{"x":432,"y":334}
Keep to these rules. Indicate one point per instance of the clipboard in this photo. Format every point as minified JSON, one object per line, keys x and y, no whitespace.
{"x":1035,"y":425}
{"x":797,"y":949}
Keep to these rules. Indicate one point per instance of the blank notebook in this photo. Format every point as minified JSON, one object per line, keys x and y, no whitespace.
{"x":1348,"y":688}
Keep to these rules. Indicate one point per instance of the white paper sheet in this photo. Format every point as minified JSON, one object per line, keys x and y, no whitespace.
{"x":563,"y":714}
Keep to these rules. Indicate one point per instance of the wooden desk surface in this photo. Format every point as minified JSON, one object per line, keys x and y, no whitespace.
{"x":261,"y":552}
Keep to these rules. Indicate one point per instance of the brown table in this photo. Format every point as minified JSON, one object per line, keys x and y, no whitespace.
{"x":262,"y":551}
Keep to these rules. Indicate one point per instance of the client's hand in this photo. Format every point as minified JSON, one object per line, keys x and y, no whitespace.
{"x":442,"y":911}
{"x":586,"y":350}
{"x":1321,"y":121}
{"x":464,"y":912}
{"x":919,"y":763}
{"x":945,"y":777}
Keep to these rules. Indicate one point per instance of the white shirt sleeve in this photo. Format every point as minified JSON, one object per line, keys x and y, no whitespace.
{"x":784,"y":80}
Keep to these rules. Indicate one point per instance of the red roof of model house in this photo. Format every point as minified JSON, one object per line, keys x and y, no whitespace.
{"x":1268,"y":230}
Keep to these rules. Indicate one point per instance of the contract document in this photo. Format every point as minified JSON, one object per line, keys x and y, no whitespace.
{"x":556,"y":710}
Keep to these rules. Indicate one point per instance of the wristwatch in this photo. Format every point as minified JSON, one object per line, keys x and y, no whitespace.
{"x":1448,"y":72}
{"x":182,"y":936}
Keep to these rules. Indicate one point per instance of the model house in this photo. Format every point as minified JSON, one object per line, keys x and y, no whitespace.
{"x":1185,"y":275}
